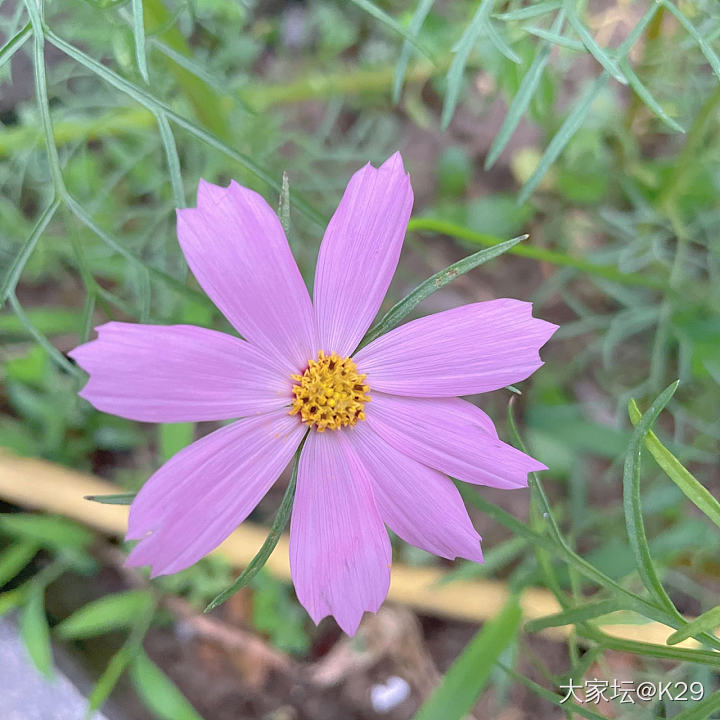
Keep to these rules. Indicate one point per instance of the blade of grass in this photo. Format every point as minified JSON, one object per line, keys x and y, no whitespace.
{"x":707,"y":622}
{"x":434,"y":283}
{"x":35,"y":632}
{"x":466,"y":679}
{"x":704,"y":657}
{"x":115,"y":499}
{"x":676,"y":471}
{"x":139,"y":37}
{"x":276,"y":529}
{"x":555,"y":38}
{"x":521,"y":101}
{"x":632,"y":502}
{"x":14,"y":44}
{"x":14,"y":558}
{"x":644,"y":94}
{"x":541,"y":8}
{"x":421,"y":12}
{"x":589,"y":42}
{"x":574,"y":615}
{"x":159,"y":692}
{"x":173,"y":161}
{"x":502,"y":47}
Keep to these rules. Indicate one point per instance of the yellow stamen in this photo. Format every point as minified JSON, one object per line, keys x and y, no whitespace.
{"x":330,"y":393}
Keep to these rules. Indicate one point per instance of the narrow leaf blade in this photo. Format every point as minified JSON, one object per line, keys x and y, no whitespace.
{"x":465,"y":680}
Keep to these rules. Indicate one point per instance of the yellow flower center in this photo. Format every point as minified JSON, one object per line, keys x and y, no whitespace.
{"x":330,"y":393}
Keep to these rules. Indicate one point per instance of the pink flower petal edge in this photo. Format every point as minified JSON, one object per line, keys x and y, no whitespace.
{"x":178,"y":373}
{"x":197,"y":498}
{"x":470,"y":349}
{"x":450,"y":435}
{"x":359,"y":253}
{"x":419,"y":504}
{"x":339,"y":549}
{"x":237,"y":250}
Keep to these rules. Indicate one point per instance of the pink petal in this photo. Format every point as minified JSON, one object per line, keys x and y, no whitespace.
{"x":450,"y":435}
{"x":237,"y":250}
{"x":359,"y":253}
{"x":470,"y":349}
{"x":339,"y":549}
{"x":418,"y":503}
{"x":197,"y":498}
{"x":174,"y":373}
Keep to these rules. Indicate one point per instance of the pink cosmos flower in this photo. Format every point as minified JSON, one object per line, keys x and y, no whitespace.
{"x":383,"y":427}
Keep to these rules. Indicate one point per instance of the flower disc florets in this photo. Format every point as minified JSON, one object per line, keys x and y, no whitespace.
{"x":330,"y":393}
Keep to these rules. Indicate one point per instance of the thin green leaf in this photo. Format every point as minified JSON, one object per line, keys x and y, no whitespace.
{"x":574,"y":615}
{"x":421,"y":12}
{"x":41,"y":340}
{"x":570,"y":126}
{"x":589,"y":42}
{"x":695,"y":491}
{"x":109,"y":679}
{"x":118,"y":499}
{"x":710,"y":658}
{"x":139,"y":36}
{"x":535,"y":10}
{"x":379,"y":14}
{"x":159,"y":692}
{"x":521,"y":101}
{"x":705,"y":48}
{"x":14,"y":44}
{"x":555,"y":38}
{"x":434,"y":283}
{"x":35,"y":632}
{"x":609,"y":272}
{"x":110,"y":612}
{"x":14,"y":558}
{"x":707,"y":622}
{"x":173,"y":161}
{"x":502,"y":47}
{"x":466,"y":679}
{"x":632,"y":503}
{"x":46,"y":530}
{"x":644,"y":94}
{"x":118,"y":664}
{"x":12,"y":599}
{"x":462,"y":51}
{"x":41,"y":94}
{"x":276,"y":530}
{"x":700,"y":710}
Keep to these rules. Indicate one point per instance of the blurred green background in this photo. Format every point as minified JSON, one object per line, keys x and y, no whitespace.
{"x":594,"y":127}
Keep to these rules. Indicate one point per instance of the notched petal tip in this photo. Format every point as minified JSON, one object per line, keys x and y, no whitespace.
{"x":209,"y":194}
